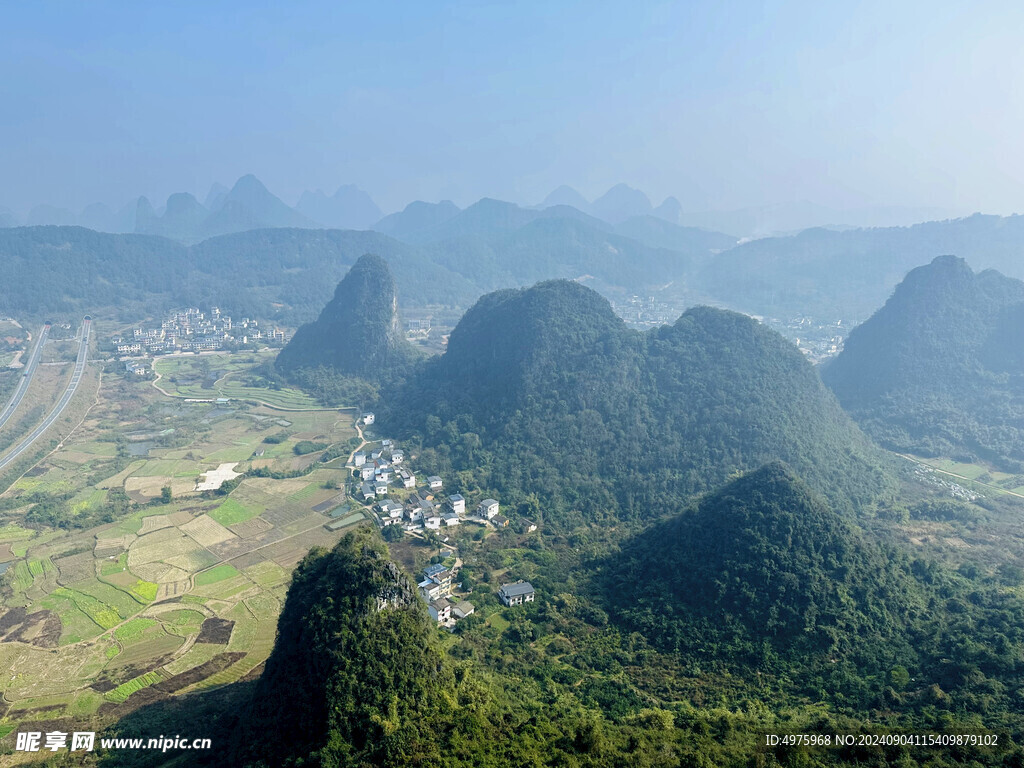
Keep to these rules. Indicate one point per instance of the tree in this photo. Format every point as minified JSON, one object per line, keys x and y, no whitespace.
{"x":166,"y":495}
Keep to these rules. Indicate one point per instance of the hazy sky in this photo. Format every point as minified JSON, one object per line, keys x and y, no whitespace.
{"x":723,"y":105}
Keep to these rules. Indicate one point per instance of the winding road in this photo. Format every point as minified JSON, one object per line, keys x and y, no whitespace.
{"x":26,"y":379}
{"x":76,"y":377}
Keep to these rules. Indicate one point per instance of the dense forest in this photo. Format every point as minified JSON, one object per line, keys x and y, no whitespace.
{"x":359,"y":677}
{"x":545,"y":392}
{"x":278,"y":274}
{"x":939,"y":369}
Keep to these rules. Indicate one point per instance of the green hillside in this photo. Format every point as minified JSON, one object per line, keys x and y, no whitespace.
{"x":555,"y":397}
{"x":938,"y":370}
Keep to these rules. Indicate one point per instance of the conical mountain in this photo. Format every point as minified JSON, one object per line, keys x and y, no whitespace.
{"x":762,"y":560}
{"x":348,"y":208}
{"x":355,"y":677}
{"x":938,"y":370}
{"x":250,"y":205}
{"x":182,"y":220}
{"x":359,"y":332}
{"x":566,"y":195}
{"x":621,"y":202}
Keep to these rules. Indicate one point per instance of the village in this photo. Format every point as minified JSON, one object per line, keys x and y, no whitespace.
{"x":189,"y":330}
{"x":386,"y":484}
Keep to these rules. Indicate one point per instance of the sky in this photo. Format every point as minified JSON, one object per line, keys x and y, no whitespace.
{"x":723,"y":105}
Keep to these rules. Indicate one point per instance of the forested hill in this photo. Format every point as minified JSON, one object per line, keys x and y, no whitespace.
{"x":356,"y":675}
{"x":283,"y":274}
{"x":555,"y":398}
{"x":359,"y":332}
{"x":940,"y":369}
{"x":762,"y":562}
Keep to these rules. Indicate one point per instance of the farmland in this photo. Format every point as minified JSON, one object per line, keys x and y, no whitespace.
{"x":111,"y":584}
{"x":213,"y":376}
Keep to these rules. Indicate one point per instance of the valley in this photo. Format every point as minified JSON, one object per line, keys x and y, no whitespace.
{"x":121,"y":579}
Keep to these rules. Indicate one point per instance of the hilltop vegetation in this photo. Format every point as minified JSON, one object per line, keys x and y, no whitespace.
{"x":763,"y":570}
{"x":938,"y":370}
{"x":545,"y":392}
{"x":280,"y":274}
{"x":358,"y":333}
{"x":356,"y":675}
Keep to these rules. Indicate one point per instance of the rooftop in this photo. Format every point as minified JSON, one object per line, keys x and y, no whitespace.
{"x":517,"y":589}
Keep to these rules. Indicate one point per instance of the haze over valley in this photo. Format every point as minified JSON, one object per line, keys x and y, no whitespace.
{"x":452,"y":385}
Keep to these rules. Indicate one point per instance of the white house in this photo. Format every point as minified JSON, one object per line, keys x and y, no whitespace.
{"x":366,"y":472}
{"x":434,"y":482}
{"x":450,"y":518}
{"x":380,"y":489}
{"x":432,"y":521}
{"x":430,"y":590}
{"x":359,"y":458}
{"x":488,"y":508}
{"x":368,"y":418}
{"x":397,"y":457}
{"x":390,"y":509}
{"x":463,"y":609}
{"x":440,"y":610}
{"x":415,"y":514}
{"x":516,"y":594}
{"x":408,"y":479}
{"x":458,"y":504}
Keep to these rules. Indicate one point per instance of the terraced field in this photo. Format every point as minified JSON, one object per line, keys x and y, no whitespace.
{"x":227,"y":375}
{"x":169,"y":596}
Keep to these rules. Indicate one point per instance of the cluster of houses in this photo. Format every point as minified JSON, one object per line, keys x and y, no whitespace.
{"x":383,"y":470}
{"x":189,"y":330}
{"x":436,"y":588}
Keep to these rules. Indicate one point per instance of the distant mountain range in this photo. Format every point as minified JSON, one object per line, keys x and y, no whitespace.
{"x":848,"y":275}
{"x":250,"y":205}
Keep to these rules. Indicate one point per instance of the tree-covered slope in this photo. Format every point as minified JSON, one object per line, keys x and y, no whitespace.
{"x":938,"y":369}
{"x":281,"y":274}
{"x":356,"y":676}
{"x":762,"y":561}
{"x":358,"y":333}
{"x":555,"y":397}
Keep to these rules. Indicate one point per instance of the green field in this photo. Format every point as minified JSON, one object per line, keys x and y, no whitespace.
{"x":133,"y":629}
{"x":192,"y":371}
{"x":219,"y":573}
{"x":232,"y":512}
{"x":125,"y":690}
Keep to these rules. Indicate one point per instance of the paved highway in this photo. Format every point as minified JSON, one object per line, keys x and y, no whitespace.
{"x":76,"y":377}
{"x":26,"y":379}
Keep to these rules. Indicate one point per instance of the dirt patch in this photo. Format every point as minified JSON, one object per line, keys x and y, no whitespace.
{"x":37,"y":471}
{"x":41,"y":629}
{"x":11,"y":619}
{"x":217,"y":664}
{"x":216,"y":631}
